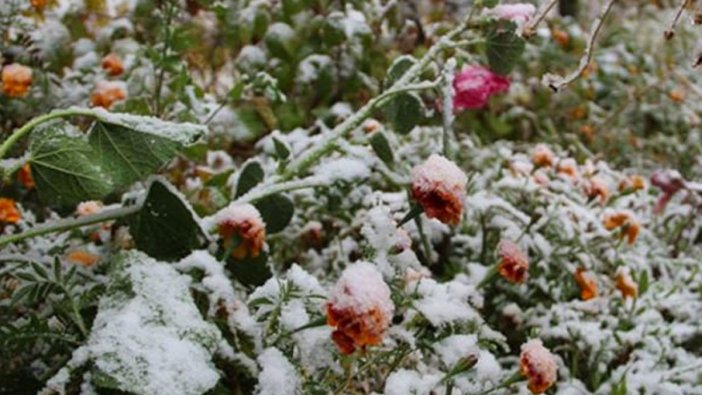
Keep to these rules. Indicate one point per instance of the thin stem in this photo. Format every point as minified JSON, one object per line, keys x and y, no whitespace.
{"x":671,"y":29}
{"x":557,"y":82}
{"x":260,"y":193}
{"x":164,"y":53}
{"x":447,"y":110}
{"x":70,"y":223}
{"x":530,"y":27}
{"x":27,"y":127}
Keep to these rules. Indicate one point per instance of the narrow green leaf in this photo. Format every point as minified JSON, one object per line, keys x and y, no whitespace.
{"x":382,"y":148}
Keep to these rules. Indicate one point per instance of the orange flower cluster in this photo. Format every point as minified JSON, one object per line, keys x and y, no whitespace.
{"x":538,"y":365}
{"x":587,"y":284}
{"x":439,"y":187}
{"x":513,"y":264}
{"x":241,"y":223}
{"x":632,"y":183}
{"x":16,"y":80}
{"x":9,"y":212}
{"x":359,"y":308}
{"x":624,"y":220}
{"x":107,"y":93}
{"x":112,"y":65}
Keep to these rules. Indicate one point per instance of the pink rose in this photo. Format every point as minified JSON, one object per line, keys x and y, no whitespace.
{"x":518,"y":13}
{"x":474,"y":85}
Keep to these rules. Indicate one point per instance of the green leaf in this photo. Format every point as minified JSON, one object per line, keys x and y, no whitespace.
{"x":276,"y":211}
{"x":165,"y":228}
{"x":281,"y":149}
{"x":398,"y":68}
{"x":250,"y":271}
{"x":64,"y":166}
{"x":504,"y":47}
{"x":128,"y":156}
{"x":251,"y":175}
{"x":643,"y":282}
{"x":404,"y":111}
{"x":382,"y":148}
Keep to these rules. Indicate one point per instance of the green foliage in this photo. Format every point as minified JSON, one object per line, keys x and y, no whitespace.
{"x":165,"y":227}
{"x":382,"y":148}
{"x":276,"y":210}
{"x":504,"y":48}
{"x":251,"y":175}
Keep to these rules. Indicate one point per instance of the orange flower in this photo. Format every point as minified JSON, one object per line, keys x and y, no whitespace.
{"x":16,"y":80}
{"x":538,"y":365}
{"x":107,"y":93}
{"x":82,"y":258}
{"x":542,"y":156}
{"x":587,"y":283}
{"x":561,"y":37}
{"x":371,"y":125}
{"x":8,"y":211}
{"x":677,"y":96}
{"x":113,"y":65}
{"x":568,"y":167}
{"x":625,"y":220}
{"x":24,"y":175}
{"x":598,"y":189}
{"x":439,"y":187}
{"x":241,"y":223}
{"x":513,"y":265}
{"x":38,"y":4}
{"x":359,"y":308}
{"x":633,"y":183}
{"x":626,"y":284}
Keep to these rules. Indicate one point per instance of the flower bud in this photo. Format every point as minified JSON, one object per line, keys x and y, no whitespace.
{"x":625,"y":283}
{"x":586,"y":282}
{"x":8,"y":211}
{"x":242,"y":222}
{"x":112,"y":65}
{"x":513,"y":264}
{"x":107,"y":93}
{"x":16,"y":80}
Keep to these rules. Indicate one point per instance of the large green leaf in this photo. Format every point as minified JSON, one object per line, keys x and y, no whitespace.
{"x":120,"y":150}
{"x":504,"y":47}
{"x":128,"y":156}
{"x":146,"y":314}
{"x":65,"y":167}
{"x":165,"y":227}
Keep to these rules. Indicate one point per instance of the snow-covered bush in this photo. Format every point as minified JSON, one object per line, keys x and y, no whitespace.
{"x":362,"y":197}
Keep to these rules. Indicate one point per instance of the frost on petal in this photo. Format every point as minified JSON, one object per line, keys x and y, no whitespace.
{"x":107,"y":93}
{"x":538,"y":365}
{"x":359,"y":307}
{"x":439,"y":187}
{"x":513,"y":264}
{"x":242,"y":224}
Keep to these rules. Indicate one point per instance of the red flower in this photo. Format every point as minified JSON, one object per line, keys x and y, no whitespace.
{"x":242,"y":221}
{"x":439,"y":187}
{"x":538,"y":365}
{"x":514,"y":264}
{"x":475,"y":85}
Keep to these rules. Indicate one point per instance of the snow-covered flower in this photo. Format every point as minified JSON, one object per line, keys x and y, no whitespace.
{"x":587,"y":283}
{"x":38,"y":4}
{"x":439,"y":187}
{"x":88,"y":207}
{"x":82,"y":258}
{"x":538,"y":365}
{"x":597,"y":188}
{"x":474,"y":86}
{"x":8,"y":211}
{"x":242,"y":224}
{"x":569,"y":167}
{"x":518,"y":13}
{"x":670,"y":182}
{"x":632,"y":183}
{"x":16,"y":80}
{"x":112,"y":65}
{"x":359,"y":308}
{"x":542,"y":156}
{"x":625,"y":283}
{"x":513,"y":264}
{"x":625,"y":220}
{"x":106,"y":93}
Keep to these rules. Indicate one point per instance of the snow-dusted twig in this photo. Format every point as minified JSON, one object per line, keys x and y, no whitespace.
{"x":447,"y":98}
{"x":71,"y":223}
{"x":259,"y":193}
{"x":530,"y":27}
{"x":670,"y":32}
{"x":556,"y":82}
